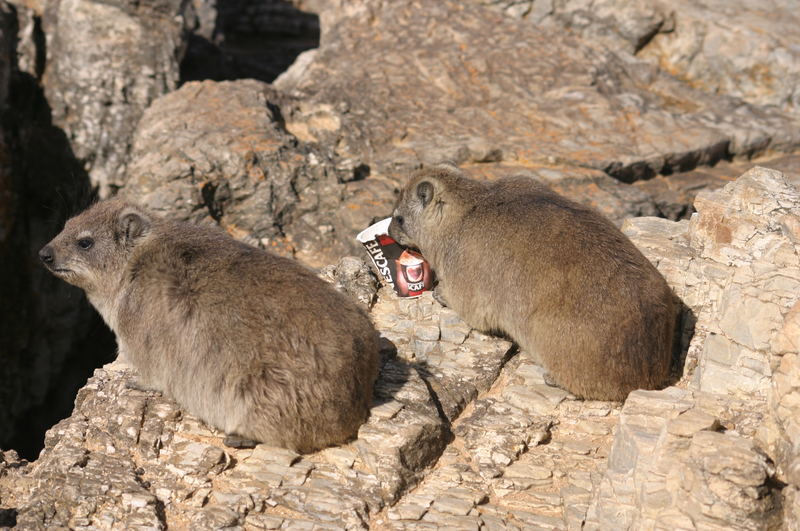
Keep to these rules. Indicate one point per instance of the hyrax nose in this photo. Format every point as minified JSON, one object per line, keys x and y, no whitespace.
{"x":46,"y":255}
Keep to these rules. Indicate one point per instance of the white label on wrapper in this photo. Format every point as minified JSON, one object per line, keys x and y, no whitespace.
{"x":406,"y":271}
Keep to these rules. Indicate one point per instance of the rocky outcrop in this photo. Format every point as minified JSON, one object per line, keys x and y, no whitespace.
{"x":106,"y":62}
{"x":233,"y":162}
{"x":444,"y":80}
{"x":45,"y":323}
{"x":465,"y":435}
{"x":705,"y":455}
{"x":740,"y":48}
{"x":586,"y":96}
{"x":333,"y":138}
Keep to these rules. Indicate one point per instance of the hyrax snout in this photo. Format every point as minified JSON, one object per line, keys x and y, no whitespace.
{"x":562,"y":281}
{"x":252,"y":343}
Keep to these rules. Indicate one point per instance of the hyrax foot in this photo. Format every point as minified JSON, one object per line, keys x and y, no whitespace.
{"x":438,"y":297}
{"x":550,"y":381}
{"x":136,"y":385}
{"x":236,"y":441}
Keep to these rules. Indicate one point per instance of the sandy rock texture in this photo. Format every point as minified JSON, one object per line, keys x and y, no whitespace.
{"x":662,"y":115}
{"x":744,"y":48}
{"x":464,"y":432}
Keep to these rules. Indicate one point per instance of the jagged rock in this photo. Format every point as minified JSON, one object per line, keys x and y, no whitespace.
{"x":740,"y":48}
{"x":43,"y":320}
{"x":106,"y":62}
{"x":234,"y":163}
{"x":355,"y":277}
{"x":736,"y":267}
{"x":572,"y":104}
{"x":737,"y":48}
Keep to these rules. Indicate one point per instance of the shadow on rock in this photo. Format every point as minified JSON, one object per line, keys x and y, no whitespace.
{"x":245,"y":39}
{"x":684,"y":330}
{"x":50,"y":338}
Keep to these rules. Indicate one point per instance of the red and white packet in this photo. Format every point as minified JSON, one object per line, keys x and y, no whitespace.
{"x":405,"y":270}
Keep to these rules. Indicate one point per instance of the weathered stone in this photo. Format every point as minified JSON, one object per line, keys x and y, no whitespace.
{"x":457,"y":417}
{"x":572,"y":92}
{"x":235,"y":164}
{"x":99,"y":82}
{"x":353,"y":276}
{"x":669,"y":464}
{"x":45,"y":323}
{"x":701,"y":43}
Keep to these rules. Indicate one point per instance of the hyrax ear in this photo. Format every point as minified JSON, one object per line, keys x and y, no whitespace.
{"x":425,"y":192}
{"x":132,"y":224}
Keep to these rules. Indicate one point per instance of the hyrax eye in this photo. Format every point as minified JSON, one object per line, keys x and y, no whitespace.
{"x":85,"y":243}
{"x":400,"y":220}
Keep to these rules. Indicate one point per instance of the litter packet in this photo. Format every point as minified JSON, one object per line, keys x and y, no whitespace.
{"x":405,"y":270}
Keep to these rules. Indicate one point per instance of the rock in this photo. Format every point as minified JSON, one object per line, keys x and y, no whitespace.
{"x":736,"y":268}
{"x":44,"y":323}
{"x":244,"y":39}
{"x":464,"y":432}
{"x":99,"y":82}
{"x":734,"y":48}
{"x":235,"y":164}
{"x":353,"y":276}
{"x":572,"y":92}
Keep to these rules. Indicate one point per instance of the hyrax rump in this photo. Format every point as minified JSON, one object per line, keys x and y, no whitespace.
{"x":250,"y":342}
{"x":558,"y":278}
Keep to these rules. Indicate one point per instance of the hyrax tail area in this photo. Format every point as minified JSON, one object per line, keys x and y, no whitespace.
{"x":250,"y":342}
{"x":557,"y":277}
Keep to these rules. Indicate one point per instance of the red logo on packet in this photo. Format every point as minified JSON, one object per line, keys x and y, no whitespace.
{"x":412,"y":273}
{"x":385,"y":239}
{"x":406,"y":271}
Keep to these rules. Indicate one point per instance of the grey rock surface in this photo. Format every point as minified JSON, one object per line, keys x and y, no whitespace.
{"x":353,"y":276}
{"x":742,"y":48}
{"x":219,"y":152}
{"x":465,"y":435}
{"x":707,"y":454}
{"x":572,"y":103}
{"x":106,"y":62}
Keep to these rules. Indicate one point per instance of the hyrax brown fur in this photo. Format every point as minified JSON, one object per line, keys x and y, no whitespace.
{"x":252,"y":343}
{"x":562,"y":281}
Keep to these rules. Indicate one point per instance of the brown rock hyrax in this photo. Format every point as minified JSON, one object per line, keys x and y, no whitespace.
{"x":250,"y":342}
{"x":558,"y":278}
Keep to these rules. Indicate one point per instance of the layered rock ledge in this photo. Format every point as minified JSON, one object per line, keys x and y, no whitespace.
{"x":465,"y":434}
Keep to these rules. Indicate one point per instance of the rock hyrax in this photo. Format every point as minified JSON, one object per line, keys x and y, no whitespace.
{"x":562,"y":281}
{"x":252,"y":343}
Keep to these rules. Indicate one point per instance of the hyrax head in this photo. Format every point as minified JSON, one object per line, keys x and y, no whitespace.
{"x":94,"y":246}
{"x":433,"y":198}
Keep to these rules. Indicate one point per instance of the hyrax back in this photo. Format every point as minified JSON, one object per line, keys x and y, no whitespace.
{"x":250,"y":342}
{"x":558,"y":278}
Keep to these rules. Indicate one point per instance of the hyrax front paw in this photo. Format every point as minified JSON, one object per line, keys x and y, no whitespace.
{"x":137,"y":385}
{"x":438,"y":297}
{"x":237,"y":441}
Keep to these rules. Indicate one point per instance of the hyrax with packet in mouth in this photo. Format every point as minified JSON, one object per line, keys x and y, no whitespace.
{"x":563,"y":282}
{"x":250,"y":342}
{"x":405,"y":270}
